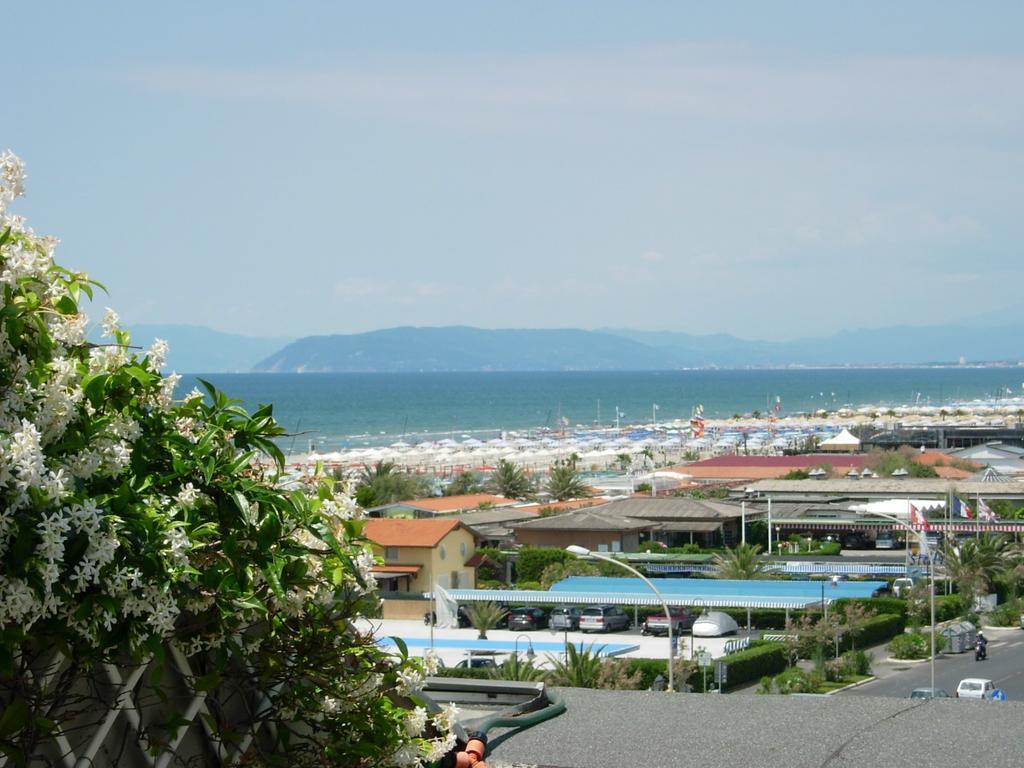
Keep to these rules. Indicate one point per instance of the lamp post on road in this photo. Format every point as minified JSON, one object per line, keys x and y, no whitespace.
{"x":923,"y":542}
{"x":584,"y":552}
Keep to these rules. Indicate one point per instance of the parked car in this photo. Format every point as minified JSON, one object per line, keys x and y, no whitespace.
{"x":657,"y":623}
{"x":975,"y":688}
{"x":929,"y":693}
{"x":902,"y":586}
{"x":565,"y":617}
{"x":463,"y":618}
{"x":884,"y":541}
{"x":604,"y":618}
{"x":715,"y":624}
{"x":527,"y":618}
{"x":477,"y":662}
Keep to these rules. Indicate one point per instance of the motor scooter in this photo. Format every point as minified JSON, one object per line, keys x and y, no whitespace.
{"x":980,"y":651}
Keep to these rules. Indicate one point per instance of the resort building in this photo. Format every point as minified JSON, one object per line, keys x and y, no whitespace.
{"x":623,"y":525}
{"x":420,"y":553}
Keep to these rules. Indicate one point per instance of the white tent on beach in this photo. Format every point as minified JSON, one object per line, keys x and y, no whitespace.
{"x":843,"y":442}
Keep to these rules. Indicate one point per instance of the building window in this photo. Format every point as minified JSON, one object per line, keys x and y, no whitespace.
{"x":462,"y":550}
{"x":616,"y":546}
{"x":390,"y":553}
{"x":441,"y":552}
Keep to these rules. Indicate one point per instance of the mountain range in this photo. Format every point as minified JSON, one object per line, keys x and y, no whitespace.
{"x":196,"y":349}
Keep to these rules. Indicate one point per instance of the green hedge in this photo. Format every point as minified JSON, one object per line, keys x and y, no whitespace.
{"x":531,"y":561}
{"x":948,"y":607}
{"x":762,"y":618}
{"x":879,"y":605}
{"x":753,"y":663}
{"x":480,"y":673}
{"x":648,"y":668}
{"x":877,"y":629}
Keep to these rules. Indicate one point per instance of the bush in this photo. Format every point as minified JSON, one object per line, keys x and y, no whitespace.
{"x":876,"y":630}
{"x":479,"y":673}
{"x":856,"y":663}
{"x":761,"y":618}
{"x":948,"y":607}
{"x":911,"y":646}
{"x":134,"y":520}
{"x":531,"y":562}
{"x":796,"y":680}
{"x":764,"y":658}
{"x":830,"y":548}
{"x":1006,"y":615}
{"x":880,"y":605}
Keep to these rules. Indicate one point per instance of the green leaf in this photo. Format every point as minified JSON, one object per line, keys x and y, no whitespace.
{"x":66,"y":305}
{"x":15,"y":717}
{"x":207,"y":682}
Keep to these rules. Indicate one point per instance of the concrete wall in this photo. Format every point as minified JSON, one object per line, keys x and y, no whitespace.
{"x":405,"y":609}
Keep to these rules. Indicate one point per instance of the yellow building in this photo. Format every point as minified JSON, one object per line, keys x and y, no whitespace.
{"x":420,"y":553}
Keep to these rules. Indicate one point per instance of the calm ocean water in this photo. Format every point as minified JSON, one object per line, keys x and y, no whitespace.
{"x":350,"y":410}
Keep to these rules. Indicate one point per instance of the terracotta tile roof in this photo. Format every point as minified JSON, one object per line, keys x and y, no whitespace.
{"x":443,"y":504}
{"x":951,"y":473}
{"x":560,"y":506}
{"x":394,"y":532}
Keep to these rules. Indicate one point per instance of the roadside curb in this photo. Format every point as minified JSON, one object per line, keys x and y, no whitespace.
{"x":892,"y":660}
{"x":851,"y":685}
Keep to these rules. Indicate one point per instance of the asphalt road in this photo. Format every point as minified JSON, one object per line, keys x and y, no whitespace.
{"x":1004,"y":666}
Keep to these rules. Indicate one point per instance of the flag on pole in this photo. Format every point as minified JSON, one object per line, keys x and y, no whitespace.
{"x":985,"y":511}
{"x":960,"y":509}
{"x":917,"y":520}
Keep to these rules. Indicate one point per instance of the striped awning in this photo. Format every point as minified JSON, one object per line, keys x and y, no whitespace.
{"x":836,"y":525}
{"x":852,"y":568}
{"x":977,"y":528}
{"x":592,"y":598}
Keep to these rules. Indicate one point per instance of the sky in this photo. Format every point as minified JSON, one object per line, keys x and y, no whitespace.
{"x":768,"y":170}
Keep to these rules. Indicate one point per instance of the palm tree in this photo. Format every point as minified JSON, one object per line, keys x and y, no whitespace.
{"x":464,"y":483}
{"x":514,"y":669}
{"x":385,"y":483}
{"x":624,"y":460}
{"x":581,"y":667}
{"x":509,"y":480}
{"x":976,"y":563}
{"x":564,"y":483}
{"x":743,"y":561}
{"x":485,"y":616}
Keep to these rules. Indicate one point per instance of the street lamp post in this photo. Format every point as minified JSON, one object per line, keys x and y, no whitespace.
{"x":530,"y":655}
{"x":923,"y":542}
{"x":584,"y":552}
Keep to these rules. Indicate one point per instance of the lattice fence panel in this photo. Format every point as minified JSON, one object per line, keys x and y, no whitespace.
{"x":121,"y":717}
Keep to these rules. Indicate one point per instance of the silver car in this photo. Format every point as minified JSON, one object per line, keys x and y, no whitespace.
{"x":604,"y":618}
{"x":565,"y":618}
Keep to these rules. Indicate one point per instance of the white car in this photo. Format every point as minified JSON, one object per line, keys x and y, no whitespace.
{"x":715,"y":624}
{"x":975,"y":688}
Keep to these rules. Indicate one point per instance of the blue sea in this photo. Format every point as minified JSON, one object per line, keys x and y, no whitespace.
{"x":352,"y":410}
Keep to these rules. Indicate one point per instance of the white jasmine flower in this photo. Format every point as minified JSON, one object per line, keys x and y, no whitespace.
{"x":158,"y":354}
{"x":409,"y":681}
{"x":187,"y":495}
{"x":109,"y":322}
{"x":415,"y":722}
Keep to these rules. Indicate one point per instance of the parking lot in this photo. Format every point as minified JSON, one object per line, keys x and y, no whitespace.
{"x":546,"y":642}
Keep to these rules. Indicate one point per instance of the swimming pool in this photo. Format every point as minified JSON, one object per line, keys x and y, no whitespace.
{"x":472,"y":644}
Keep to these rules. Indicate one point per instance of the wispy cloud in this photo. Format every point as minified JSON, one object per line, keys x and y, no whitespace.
{"x":713,"y":83}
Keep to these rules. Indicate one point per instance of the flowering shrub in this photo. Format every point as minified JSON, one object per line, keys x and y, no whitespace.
{"x":131,"y":522}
